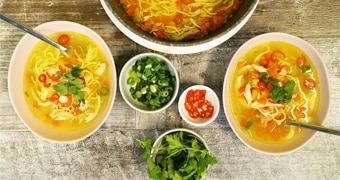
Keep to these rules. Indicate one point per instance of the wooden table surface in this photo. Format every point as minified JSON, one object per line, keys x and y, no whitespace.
{"x":113,"y":153}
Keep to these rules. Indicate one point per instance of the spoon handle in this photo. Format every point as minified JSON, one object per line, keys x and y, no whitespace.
{"x":313,"y":127}
{"x":30,"y":31}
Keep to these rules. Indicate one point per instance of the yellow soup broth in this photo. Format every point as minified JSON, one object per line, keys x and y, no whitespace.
{"x":67,"y":91}
{"x":271,"y":83}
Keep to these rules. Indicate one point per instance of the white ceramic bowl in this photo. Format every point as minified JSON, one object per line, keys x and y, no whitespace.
{"x":119,"y":17}
{"x":296,"y":144}
{"x":124,"y":87}
{"x":16,"y":74}
{"x":159,"y":140}
{"x":210,"y":96}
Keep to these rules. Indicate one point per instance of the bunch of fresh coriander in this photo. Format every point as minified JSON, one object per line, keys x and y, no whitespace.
{"x":181,"y":155}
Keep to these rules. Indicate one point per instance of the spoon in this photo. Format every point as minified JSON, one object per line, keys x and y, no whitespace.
{"x":32,"y":32}
{"x":313,"y":127}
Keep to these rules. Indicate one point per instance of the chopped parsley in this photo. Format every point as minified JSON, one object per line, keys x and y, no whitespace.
{"x":71,"y":83}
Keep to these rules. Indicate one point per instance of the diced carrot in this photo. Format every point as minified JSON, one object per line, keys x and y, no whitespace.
{"x":270,"y":86}
{"x":272,"y":71}
{"x":55,"y":123}
{"x":268,"y":56}
{"x":236,"y":5}
{"x":62,"y":69}
{"x":77,"y":110}
{"x":303,"y":108}
{"x":255,"y":75}
{"x":276,"y":137}
{"x":285,"y":67}
{"x":244,"y":122}
{"x":35,"y":104}
{"x":262,"y":100}
{"x":73,"y":59}
{"x":131,"y":10}
{"x":273,"y":63}
{"x":271,"y":126}
{"x":246,"y":73}
{"x":79,"y":50}
{"x":65,"y":62}
{"x":263,"y":62}
{"x":250,"y":112}
{"x":241,"y":90}
{"x":124,"y":2}
{"x":297,"y":98}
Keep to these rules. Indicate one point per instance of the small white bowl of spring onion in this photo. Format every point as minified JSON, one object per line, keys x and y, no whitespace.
{"x":149,"y":83}
{"x":198,"y":105}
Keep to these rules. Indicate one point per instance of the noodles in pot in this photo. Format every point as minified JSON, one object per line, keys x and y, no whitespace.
{"x":180,"y":19}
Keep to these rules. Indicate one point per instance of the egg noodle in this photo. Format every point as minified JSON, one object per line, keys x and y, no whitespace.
{"x":180,"y":19}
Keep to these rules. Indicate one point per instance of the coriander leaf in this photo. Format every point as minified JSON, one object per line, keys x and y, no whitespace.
{"x":264,"y":77}
{"x":277,"y":94}
{"x":177,"y":177}
{"x":171,"y":171}
{"x":147,"y":146}
{"x":80,"y":96}
{"x":153,"y":170}
{"x":73,"y":89}
{"x":289,"y":86}
{"x":61,"y":88}
{"x":77,"y":82}
{"x":282,"y":94}
{"x":174,"y":141}
{"x":180,"y":156}
{"x":76,"y":71}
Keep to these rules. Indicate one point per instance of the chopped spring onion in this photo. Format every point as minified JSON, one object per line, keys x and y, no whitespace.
{"x":151,"y":82}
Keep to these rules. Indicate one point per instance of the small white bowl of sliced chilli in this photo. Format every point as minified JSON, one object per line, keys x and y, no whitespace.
{"x":196,"y":110}
{"x":230,"y":99}
{"x":16,"y":79}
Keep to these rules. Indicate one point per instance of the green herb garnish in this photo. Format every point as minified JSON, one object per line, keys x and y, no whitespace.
{"x":180,"y":156}
{"x":249,"y":124}
{"x":264,"y":77}
{"x":151,"y":82}
{"x":71,"y":83}
{"x":282,"y":93}
{"x":305,"y":68}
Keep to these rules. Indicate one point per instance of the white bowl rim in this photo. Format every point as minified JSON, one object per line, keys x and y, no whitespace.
{"x":123,"y":81}
{"x":47,"y":29}
{"x":158,"y":141}
{"x":171,"y":49}
{"x":309,"y":134}
{"x":182,"y":110}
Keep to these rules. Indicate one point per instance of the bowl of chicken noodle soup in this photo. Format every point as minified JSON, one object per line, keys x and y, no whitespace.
{"x":62,"y":97}
{"x":272,"y":78}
